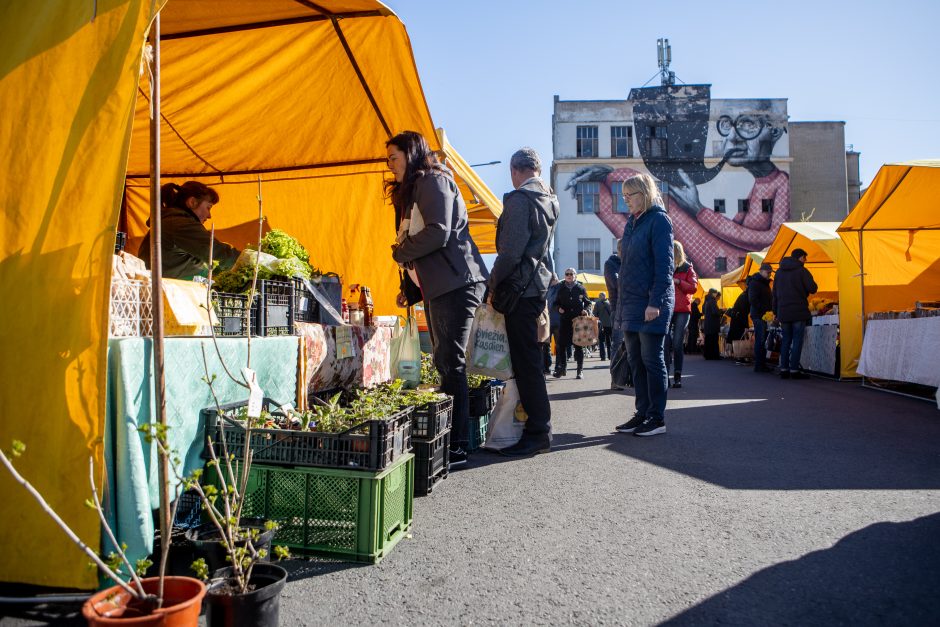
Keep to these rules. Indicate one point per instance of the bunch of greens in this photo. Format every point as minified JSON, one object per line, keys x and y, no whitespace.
{"x":429,"y":374}
{"x":283,"y":246}
{"x":476,"y":381}
{"x":292,"y":262}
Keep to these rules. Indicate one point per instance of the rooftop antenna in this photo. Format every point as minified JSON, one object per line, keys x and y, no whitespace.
{"x":664,"y":57}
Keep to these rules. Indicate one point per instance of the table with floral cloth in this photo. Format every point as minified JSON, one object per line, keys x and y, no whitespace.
{"x":820,"y":345}
{"x":322,"y":367}
{"x":902,"y":350}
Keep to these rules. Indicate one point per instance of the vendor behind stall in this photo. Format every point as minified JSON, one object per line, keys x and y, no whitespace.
{"x":185,"y":241}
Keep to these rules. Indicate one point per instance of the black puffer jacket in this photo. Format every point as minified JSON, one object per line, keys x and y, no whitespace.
{"x":759,"y":295}
{"x":572,"y":299}
{"x":792,"y":286}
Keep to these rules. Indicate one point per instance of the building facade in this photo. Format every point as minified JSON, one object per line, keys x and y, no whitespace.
{"x":723,"y":166}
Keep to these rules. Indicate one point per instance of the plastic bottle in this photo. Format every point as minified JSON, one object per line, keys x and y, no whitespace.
{"x":352,"y":303}
{"x":365,"y":305}
{"x":345,"y":312}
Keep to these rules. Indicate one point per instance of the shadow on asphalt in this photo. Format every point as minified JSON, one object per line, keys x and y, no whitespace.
{"x":894,"y":567}
{"x":306,"y":567}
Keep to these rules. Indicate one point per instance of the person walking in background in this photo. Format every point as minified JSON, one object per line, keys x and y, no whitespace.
{"x":554,"y":319}
{"x":695,"y":316}
{"x":570,"y":302}
{"x":433,"y":225}
{"x":604,"y":322}
{"x":645,"y":301}
{"x":711,"y":325}
{"x":523,"y":234}
{"x":760,"y":300}
{"x":685,"y":283}
{"x":792,"y":286}
{"x":620,"y":377}
{"x":739,"y":320}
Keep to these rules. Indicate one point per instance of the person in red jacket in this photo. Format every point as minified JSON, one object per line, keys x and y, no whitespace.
{"x":685,"y":283}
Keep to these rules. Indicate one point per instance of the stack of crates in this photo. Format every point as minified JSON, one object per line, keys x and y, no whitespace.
{"x":348,"y":495}
{"x":482,"y":401}
{"x":430,"y":431}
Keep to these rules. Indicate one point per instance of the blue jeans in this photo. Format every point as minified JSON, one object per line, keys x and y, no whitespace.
{"x":791,"y":345}
{"x":450,"y":317}
{"x":760,"y":337}
{"x":648,"y":363}
{"x":680,"y":322}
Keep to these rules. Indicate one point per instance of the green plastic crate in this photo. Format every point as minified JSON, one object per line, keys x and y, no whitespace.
{"x":356,"y":514}
{"x":478,"y":426}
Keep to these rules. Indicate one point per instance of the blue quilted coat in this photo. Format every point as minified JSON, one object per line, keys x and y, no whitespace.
{"x":646,"y":272}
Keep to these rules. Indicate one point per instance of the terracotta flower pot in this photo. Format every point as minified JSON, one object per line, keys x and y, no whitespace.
{"x":182,"y":600}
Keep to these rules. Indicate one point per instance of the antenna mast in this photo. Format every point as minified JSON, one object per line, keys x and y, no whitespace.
{"x":664,"y":58}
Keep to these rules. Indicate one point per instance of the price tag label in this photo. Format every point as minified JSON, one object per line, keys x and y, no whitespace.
{"x":255,"y":395}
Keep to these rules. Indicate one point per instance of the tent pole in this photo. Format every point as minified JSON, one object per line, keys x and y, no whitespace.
{"x":156,"y":269}
{"x":861,"y":278}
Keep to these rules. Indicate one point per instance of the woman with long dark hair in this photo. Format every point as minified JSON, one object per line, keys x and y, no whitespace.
{"x":435,"y":249}
{"x":184,"y":239}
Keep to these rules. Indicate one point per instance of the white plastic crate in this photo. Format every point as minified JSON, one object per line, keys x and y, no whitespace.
{"x":131,"y":308}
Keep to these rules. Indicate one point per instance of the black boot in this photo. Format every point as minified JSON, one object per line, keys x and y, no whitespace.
{"x":678,"y":383}
{"x":528,"y":445}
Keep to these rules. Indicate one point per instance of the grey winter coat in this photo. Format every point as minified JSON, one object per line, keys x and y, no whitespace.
{"x":646,"y":272}
{"x":792,"y":286}
{"x":522,"y":235}
{"x":445,"y":257}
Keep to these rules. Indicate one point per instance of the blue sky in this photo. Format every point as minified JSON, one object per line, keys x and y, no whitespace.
{"x":490,"y":69}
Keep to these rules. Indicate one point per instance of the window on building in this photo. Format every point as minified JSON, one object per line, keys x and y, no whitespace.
{"x":663,"y":188}
{"x":620,"y":205}
{"x":719,"y":205}
{"x":767,"y":205}
{"x":742,"y":205}
{"x":587,"y":141}
{"x":621,"y":141}
{"x":589,"y":254}
{"x":589,"y":195}
{"x":657,"y":145}
{"x":741,"y":261}
{"x":721,"y":264}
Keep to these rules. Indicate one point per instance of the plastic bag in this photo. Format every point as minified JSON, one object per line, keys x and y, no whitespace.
{"x":406,"y":354}
{"x":488,"y":348}
{"x":507,"y":420}
{"x":247,"y":258}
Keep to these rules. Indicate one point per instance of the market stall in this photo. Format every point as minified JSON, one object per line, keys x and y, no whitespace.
{"x":738,"y":276}
{"x":292,"y":102}
{"x":894,"y":234}
{"x":835,"y":333}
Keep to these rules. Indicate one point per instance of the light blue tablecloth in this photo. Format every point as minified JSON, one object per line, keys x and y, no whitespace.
{"x":133,"y":490}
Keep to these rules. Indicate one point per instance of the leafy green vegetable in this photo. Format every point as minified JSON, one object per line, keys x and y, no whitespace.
{"x":283,"y":246}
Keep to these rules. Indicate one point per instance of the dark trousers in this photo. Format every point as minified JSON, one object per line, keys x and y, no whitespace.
{"x":450,"y":317}
{"x":525,"y":353}
{"x":566,"y":332}
{"x":648,"y":363}
{"x":791,"y":346}
{"x":710,"y":349}
{"x":547,"y":347}
{"x":760,"y":336}
{"x":604,"y":342}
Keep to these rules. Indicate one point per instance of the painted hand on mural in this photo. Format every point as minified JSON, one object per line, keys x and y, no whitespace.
{"x":685,"y":193}
{"x":588,"y":174}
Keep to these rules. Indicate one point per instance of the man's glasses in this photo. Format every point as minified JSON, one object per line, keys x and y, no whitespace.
{"x":747,"y":126}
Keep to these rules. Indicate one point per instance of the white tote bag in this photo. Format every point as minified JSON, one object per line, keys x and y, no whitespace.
{"x":406,"y":354}
{"x":488,"y":348}
{"x":507,"y":420}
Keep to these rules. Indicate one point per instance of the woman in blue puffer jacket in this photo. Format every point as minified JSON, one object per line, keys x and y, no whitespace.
{"x":646,"y":300}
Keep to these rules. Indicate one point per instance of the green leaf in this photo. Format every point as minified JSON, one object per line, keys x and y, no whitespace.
{"x":143,"y":565}
{"x":200,"y":568}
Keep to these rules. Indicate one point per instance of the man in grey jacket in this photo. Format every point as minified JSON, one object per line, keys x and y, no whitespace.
{"x":522,"y":241}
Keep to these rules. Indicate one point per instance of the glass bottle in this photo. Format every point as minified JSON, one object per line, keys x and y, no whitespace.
{"x":365,"y":305}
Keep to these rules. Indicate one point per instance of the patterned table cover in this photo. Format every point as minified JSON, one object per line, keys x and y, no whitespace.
{"x":322,"y":369}
{"x":820,"y":343}
{"x":902,"y":350}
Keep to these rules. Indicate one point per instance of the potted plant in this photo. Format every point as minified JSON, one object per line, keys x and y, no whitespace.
{"x":133,"y":600}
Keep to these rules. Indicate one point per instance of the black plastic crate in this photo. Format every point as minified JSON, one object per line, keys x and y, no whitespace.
{"x":483,"y":399}
{"x":274,"y":313}
{"x":230,"y":310}
{"x":370,"y":445}
{"x":306,"y":307}
{"x":431,"y":462}
{"x":430,"y":420}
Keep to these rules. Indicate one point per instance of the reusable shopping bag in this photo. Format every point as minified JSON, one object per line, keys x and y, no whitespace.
{"x":507,"y":420}
{"x":584,"y":331}
{"x":544,"y":322}
{"x":488,"y":348}
{"x":406,"y":354}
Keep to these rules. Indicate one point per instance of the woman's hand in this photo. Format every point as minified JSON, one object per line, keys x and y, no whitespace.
{"x":651,"y":314}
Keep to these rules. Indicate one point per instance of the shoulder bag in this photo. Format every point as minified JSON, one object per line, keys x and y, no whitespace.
{"x":506,"y":295}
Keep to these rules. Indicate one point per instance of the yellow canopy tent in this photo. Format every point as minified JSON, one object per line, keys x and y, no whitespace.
{"x":894,"y":234}
{"x":483,"y":207}
{"x":835,"y":272}
{"x":729,"y":294}
{"x":594,"y":284}
{"x":301,"y":95}
{"x":738,"y":276}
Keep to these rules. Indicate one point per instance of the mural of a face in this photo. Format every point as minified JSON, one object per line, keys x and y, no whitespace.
{"x":747,"y":138}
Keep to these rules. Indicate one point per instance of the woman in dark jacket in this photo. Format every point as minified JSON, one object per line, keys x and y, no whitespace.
{"x":646,"y":300}
{"x":435,"y":248}
{"x":695,"y":315}
{"x":711,"y":326}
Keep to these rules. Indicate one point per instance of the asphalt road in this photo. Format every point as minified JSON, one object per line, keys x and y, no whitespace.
{"x":768,"y":502}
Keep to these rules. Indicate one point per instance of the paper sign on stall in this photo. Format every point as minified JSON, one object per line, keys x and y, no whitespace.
{"x":345,"y":343}
{"x":255,"y":395}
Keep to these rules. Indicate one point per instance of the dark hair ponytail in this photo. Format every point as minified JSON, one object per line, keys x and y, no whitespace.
{"x":173,"y":195}
{"x":419,"y":160}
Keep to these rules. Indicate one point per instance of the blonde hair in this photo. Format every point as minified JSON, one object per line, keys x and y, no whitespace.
{"x":678,"y":252}
{"x":646,"y":184}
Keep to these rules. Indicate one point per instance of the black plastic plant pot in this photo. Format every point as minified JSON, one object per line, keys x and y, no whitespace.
{"x":257,"y":608}
{"x":207,"y":544}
